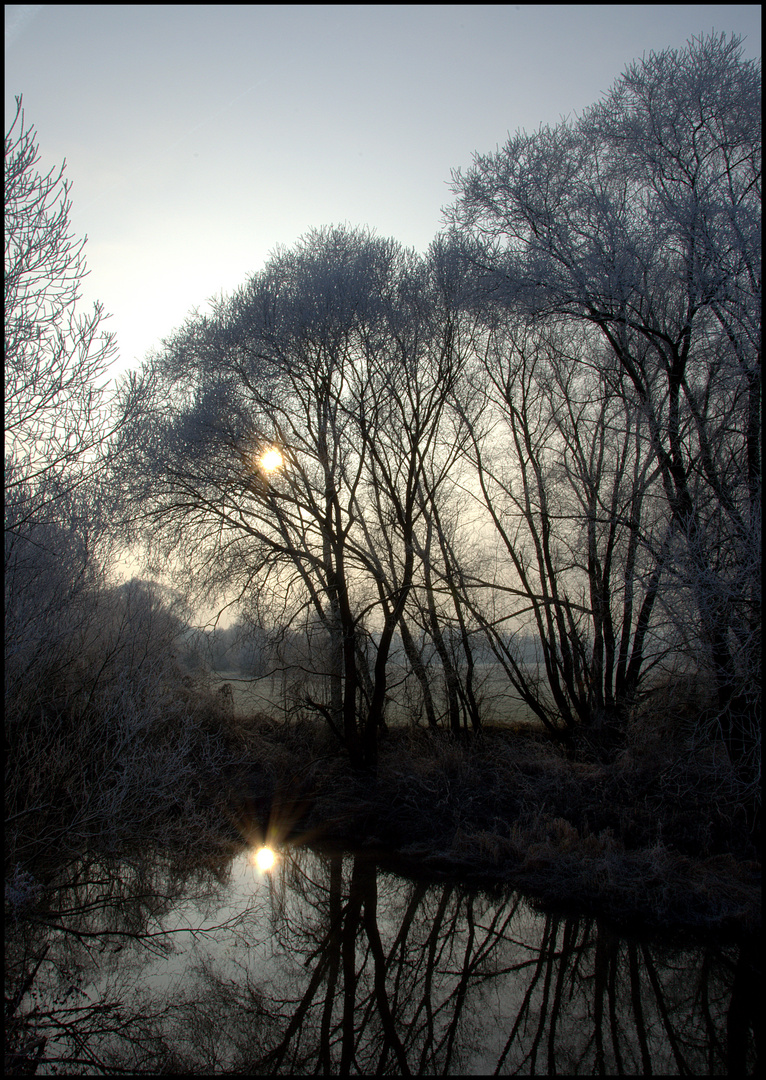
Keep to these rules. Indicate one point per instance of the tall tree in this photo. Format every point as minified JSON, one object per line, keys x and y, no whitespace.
{"x":565,"y":471}
{"x":337,"y":359}
{"x":99,"y":736}
{"x":56,"y":419}
{"x":641,"y":219}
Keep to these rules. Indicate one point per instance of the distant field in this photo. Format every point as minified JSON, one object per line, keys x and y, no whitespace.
{"x":252,"y":695}
{"x":268,"y":695}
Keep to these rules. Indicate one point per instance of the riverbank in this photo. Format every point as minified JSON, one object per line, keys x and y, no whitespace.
{"x":651,"y":836}
{"x":648,"y":838}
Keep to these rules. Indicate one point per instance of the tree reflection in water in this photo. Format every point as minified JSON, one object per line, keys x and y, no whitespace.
{"x":329,"y":965}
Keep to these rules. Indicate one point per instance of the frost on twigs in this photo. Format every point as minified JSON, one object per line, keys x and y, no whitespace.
{"x":22,"y":891}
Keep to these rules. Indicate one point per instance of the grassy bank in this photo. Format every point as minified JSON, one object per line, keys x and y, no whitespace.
{"x":653,"y":835}
{"x":653,"y":832}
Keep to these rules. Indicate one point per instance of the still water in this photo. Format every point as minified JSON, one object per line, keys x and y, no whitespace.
{"x":328,"y":964}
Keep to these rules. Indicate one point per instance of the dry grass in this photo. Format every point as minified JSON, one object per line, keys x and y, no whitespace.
{"x":646,"y":837}
{"x":127,"y":765}
{"x":652,"y":831}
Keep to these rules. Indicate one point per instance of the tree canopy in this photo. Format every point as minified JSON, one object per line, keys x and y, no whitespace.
{"x":547,"y":429}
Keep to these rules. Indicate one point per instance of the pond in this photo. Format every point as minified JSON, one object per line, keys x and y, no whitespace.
{"x":328,"y":963}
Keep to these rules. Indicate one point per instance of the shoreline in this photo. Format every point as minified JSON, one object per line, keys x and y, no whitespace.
{"x":511,"y":811}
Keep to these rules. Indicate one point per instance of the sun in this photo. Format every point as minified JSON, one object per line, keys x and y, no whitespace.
{"x":271,"y":459}
{"x":264,"y":858}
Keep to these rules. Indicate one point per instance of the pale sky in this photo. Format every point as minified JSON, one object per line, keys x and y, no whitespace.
{"x":198,"y":138}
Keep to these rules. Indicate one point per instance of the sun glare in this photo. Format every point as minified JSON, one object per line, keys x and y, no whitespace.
{"x":271,"y":459}
{"x":264,"y":858}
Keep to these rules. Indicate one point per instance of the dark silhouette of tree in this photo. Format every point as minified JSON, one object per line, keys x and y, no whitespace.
{"x":341,"y":355}
{"x":639,"y":221}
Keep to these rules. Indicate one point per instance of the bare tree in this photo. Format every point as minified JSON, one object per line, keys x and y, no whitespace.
{"x":565,"y":471}
{"x":641,"y":219}
{"x":338,"y":358}
{"x":57,"y":420}
{"x":98,"y":730}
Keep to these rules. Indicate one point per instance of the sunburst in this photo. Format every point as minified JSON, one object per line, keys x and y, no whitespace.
{"x":264,"y":858}
{"x":271,"y":459}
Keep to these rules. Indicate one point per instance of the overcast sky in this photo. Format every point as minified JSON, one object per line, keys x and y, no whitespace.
{"x":197,"y":138}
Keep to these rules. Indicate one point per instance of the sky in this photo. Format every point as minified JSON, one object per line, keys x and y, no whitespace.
{"x":198,"y":138}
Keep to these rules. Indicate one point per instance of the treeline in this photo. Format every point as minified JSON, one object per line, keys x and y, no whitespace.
{"x":106,"y":733}
{"x":548,"y":424}
{"x":546,"y":428}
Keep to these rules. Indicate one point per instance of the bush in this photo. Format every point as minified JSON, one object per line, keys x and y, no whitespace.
{"x":113,"y":739}
{"x":642,"y":837}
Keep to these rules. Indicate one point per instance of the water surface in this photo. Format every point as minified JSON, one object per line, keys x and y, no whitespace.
{"x":329,"y":964}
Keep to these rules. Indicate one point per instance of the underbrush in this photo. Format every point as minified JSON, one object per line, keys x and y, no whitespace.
{"x":654,"y":832}
{"x":139,"y":760}
{"x":652,"y":835}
